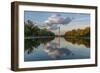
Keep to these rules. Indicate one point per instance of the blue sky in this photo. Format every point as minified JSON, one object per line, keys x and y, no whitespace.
{"x":78,"y":20}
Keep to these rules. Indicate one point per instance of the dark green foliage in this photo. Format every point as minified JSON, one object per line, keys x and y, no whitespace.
{"x":30,"y":29}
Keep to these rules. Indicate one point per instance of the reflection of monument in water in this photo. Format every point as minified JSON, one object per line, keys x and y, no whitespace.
{"x":54,"y":51}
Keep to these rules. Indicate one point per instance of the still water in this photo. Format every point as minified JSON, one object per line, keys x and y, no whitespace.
{"x":59,"y":48}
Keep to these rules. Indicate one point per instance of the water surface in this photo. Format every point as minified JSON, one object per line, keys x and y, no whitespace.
{"x":58,"y":48}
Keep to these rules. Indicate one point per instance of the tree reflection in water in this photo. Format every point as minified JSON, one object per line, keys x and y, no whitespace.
{"x":79,"y":41}
{"x":32,"y":44}
{"x":52,"y":48}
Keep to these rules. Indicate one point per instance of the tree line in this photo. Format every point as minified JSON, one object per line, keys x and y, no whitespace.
{"x":78,"y":33}
{"x":30,"y":29}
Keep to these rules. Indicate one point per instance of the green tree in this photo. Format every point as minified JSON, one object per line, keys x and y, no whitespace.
{"x":30,"y":29}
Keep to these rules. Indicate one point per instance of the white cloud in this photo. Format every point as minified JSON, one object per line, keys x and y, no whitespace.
{"x":57,"y":19}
